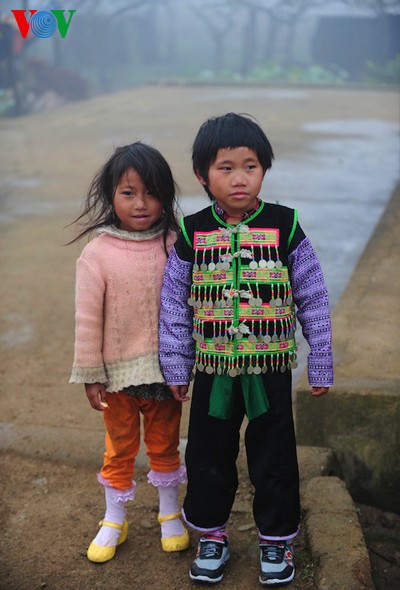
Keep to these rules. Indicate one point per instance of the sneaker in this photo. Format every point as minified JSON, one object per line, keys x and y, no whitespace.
{"x":212,"y":555}
{"x":276,"y":559}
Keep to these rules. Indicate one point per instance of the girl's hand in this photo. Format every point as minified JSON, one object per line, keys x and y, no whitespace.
{"x":318,"y":391}
{"x":179,"y":392}
{"x":96,"y":393}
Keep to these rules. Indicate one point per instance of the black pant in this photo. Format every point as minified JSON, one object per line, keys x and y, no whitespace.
{"x":212,"y":450}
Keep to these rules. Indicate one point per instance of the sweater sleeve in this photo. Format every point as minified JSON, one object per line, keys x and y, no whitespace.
{"x":177,"y":347}
{"x":88,"y":365}
{"x":311,"y":298}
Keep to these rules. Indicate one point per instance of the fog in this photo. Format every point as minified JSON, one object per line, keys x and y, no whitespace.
{"x":110,"y":46}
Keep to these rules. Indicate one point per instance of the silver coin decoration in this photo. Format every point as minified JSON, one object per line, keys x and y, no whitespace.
{"x":257,"y":370}
{"x":270,"y":264}
{"x":211,"y":266}
{"x":209,"y":370}
{"x":262,"y":263}
{"x":278,"y":264}
{"x":253,"y":265}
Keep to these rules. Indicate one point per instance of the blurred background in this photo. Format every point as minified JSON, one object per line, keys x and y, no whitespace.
{"x":117,"y":44}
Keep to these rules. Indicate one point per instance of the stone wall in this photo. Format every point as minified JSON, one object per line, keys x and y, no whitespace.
{"x":360,"y":418}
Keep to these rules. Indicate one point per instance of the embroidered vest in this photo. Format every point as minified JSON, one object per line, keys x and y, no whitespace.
{"x":244,"y":316}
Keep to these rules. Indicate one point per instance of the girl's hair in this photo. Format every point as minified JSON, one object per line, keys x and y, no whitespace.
{"x":156,"y":175}
{"x":229,"y":131}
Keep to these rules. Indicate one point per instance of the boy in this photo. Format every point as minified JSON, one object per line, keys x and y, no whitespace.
{"x":231,"y":283}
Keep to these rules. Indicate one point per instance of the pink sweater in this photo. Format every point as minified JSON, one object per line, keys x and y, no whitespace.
{"x":118,"y":283}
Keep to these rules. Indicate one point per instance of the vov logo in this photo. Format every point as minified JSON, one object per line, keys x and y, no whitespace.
{"x":43,"y":23}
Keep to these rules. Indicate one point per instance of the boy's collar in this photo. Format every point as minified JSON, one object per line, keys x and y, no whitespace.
{"x":224,"y":215}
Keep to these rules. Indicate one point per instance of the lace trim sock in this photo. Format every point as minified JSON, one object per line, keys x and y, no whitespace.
{"x":115,"y":512}
{"x":169,"y":505}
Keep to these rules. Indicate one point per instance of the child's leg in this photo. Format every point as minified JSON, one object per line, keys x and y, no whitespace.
{"x":272,"y":462}
{"x":161,"y":435}
{"x":115,"y":514}
{"x":122,"y":420}
{"x":211,"y":453}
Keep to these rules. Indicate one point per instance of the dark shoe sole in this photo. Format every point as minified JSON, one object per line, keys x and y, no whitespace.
{"x":274,"y":581}
{"x":202,"y":576}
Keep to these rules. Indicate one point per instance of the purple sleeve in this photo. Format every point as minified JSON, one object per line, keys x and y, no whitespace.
{"x":177,"y":347}
{"x":311,"y":298}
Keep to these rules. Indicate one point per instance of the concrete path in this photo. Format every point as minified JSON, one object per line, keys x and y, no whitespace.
{"x":336,"y":160}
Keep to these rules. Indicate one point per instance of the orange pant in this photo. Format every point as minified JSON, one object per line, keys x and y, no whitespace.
{"x":161,"y":422}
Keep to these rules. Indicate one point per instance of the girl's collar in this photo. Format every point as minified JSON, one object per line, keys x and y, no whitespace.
{"x":136,"y":236}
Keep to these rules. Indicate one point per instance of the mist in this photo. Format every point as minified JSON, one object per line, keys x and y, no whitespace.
{"x":111,"y":46}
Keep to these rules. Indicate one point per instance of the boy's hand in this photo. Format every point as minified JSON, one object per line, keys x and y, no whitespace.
{"x":318,"y":391}
{"x":96,"y":393}
{"x":179,"y":392}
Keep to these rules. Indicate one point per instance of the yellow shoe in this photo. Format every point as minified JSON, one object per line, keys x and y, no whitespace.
{"x":100,"y":554}
{"x":177,"y":543}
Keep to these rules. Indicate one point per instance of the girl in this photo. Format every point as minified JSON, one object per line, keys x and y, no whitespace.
{"x":131,"y":204}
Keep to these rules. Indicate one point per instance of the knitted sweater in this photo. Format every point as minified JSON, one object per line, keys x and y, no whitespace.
{"x":118,"y":284}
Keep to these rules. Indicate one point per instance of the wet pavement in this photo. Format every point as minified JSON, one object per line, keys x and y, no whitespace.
{"x":337,"y":155}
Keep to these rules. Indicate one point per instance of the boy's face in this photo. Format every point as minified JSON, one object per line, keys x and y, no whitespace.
{"x":234,"y":179}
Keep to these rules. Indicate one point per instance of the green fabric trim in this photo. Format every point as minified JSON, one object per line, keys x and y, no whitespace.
{"x":216,"y":216}
{"x":295,"y":216}
{"x":261,"y":207}
{"x":254,"y":395}
{"x":185,"y":234}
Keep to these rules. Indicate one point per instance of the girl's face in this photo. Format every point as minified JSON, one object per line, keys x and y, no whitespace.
{"x":234,"y":179}
{"x":136,"y":208}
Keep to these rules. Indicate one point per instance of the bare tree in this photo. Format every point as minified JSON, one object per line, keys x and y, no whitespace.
{"x":219,"y":20}
{"x":283,"y":14}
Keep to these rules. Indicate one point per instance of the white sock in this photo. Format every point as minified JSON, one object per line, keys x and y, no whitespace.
{"x":115,"y":512}
{"x":169,"y":505}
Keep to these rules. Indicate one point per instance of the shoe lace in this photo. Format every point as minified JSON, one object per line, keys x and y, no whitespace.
{"x":210,"y":549}
{"x":273,"y":552}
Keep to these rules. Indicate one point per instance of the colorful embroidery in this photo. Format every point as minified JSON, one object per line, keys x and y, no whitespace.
{"x":244,"y":318}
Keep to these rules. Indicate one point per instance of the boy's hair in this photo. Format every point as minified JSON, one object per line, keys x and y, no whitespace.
{"x":229,"y":131}
{"x":155,"y":173}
